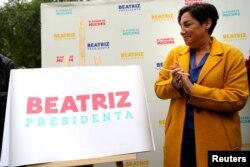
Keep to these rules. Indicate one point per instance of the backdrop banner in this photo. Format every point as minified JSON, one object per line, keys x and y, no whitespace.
{"x":60,"y":114}
{"x":136,"y":32}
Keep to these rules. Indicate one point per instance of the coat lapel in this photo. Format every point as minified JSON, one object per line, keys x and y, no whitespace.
{"x":213,"y":59}
{"x":184,"y":58}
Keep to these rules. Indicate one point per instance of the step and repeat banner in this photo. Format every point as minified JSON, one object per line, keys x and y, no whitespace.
{"x":125,"y":32}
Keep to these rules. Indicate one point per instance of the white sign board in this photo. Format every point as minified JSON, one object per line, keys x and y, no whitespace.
{"x":60,"y":114}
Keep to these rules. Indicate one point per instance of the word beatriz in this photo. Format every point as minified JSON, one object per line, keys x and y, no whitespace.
{"x":79,"y":103}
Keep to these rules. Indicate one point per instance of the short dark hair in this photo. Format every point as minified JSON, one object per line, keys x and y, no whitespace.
{"x":201,"y":12}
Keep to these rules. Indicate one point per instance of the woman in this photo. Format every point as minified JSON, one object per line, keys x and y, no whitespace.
{"x":206,"y":81}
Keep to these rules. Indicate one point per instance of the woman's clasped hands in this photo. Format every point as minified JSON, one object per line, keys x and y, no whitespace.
{"x":181,"y":79}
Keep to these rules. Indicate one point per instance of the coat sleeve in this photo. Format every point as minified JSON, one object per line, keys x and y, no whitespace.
{"x":233,"y":94}
{"x":163,"y":86}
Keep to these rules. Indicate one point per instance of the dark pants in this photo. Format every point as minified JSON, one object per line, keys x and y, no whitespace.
{"x":188,"y":157}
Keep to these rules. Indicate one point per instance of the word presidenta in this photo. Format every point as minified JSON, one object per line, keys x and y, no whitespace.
{"x":79,"y":104}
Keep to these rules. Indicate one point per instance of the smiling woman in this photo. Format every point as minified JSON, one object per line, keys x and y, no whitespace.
{"x":203,"y":102}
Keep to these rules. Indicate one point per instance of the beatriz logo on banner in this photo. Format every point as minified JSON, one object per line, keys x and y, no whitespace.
{"x":165,"y":41}
{"x":158,"y":65}
{"x":143,"y":163}
{"x":129,"y":7}
{"x":98,"y":22}
{"x":63,"y":12}
{"x":60,"y":59}
{"x":190,"y":2}
{"x":131,"y":31}
{"x":230,"y":13}
{"x":132,"y":55}
{"x":98,"y":45}
{"x":64,"y":36}
{"x":162,"y":17}
{"x":89,"y":108}
{"x":162,"y":123}
{"x":245,"y":119}
{"x":245,"y":146}
{"x":235,"y":36}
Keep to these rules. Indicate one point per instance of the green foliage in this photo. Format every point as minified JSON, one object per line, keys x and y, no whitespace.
{"x":20,"y":35}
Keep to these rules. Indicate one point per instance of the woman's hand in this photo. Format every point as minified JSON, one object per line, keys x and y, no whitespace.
{"x":181,"y":79}
{"x":186,"y":84}
{"x":175,"y":71}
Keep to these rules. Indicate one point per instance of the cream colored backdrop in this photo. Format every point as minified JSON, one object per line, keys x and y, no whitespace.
{"x":124,"y":32}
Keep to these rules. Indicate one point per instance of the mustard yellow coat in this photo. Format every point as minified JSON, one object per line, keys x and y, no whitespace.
{"x":220,"y":92}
